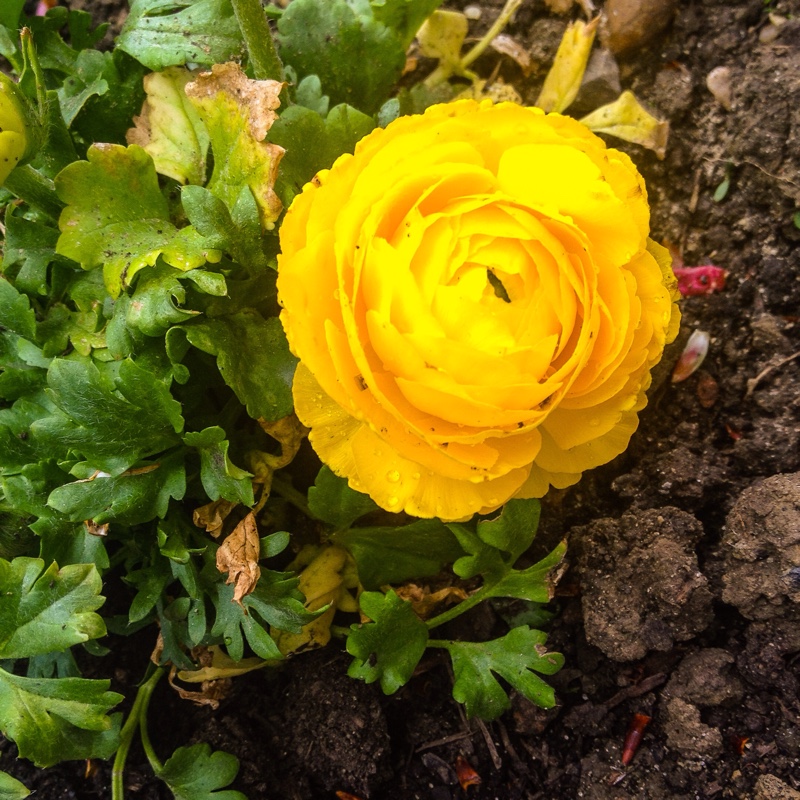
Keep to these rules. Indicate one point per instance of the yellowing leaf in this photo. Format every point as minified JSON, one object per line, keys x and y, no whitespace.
{"x":325,"y":581}
{"x":170,"y":129}
{"x":442,"y":36}
{"x":216,"y":664}
{"x":238,"y":556}
{"x":238,"y":112}
{"x":626,"y":119}
{"x":289,"y":433}
{"x":564,"y":79}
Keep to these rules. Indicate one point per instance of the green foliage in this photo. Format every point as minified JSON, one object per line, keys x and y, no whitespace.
{"x":390,"y":647}
{"x":334,"y":41}
{"x":11,"y":788}
{"x":58,"y":719}
{"x":333,"y":501}
{"x":44,"y":610}
{"x":515,"y":657}
{"x":195,"y":773}
{"x":165,"y":33}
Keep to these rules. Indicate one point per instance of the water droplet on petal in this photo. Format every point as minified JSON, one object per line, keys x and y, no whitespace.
{"x":594,"y":422}
{"x":393,"y":476}
{"x":336,"y":294}
{"x":392,"y":501}
{"x":415,"y":475}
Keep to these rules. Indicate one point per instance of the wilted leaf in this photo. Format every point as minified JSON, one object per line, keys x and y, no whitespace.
{"x":510,"y":47}
{"x":324,"y":581}
{"x":215,"y":664}
{"x":170,"y":129}
{"x":238,"y":112}
{"x":425,"y":602}
{"x":564,"y":79}
{"x":238,"y":556}
{"x":117,"y":217}
{"x":45,"y":610}
{"x":442,"y":37}
{"x":212,"y":516}
{"x":626,"y":119}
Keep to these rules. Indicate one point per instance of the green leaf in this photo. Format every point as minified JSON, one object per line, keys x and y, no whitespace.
{"x":498,"y":542}
{"x":42,"y":611}
{"x":195,"y":773}
{"x":130,"y":498}
{"x":332,"y":500}
{"x":112,"y":423}
{"x":154,"y":304}
{"x":514,"y":529}
{"x":150,"y":583}
{"x":16,"y":313}
{"x":238,"y":112}
{"x":389,"y":648}
{"x":313,"y":143}
{"x":31,"y":246}
{"x":513,"y":657}
{"x":253,"y":357}
{"x":219,"y":476}
{"x":58,"y":719}
{"x":404,"y":16}
{"x":231,"y":622}
{"x":392,"y":555}
{"x":10,"y":12}
{"x":87,"y":79}
{"x":165,"y":33}
{"x":11,"y":788}
{"x":534,"y":583}
{"x":241,"y":238}
{"x":336,"y":40}
{"x":278,"y":602}
{"x":117,"y":217}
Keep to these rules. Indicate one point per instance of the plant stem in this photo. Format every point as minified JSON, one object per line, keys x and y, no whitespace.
{"x":505,"y":17}
{"x":137,"y":714}
{"x":35,"y":189}
{"x":464,"y":605}
{"x":258,"y":39}
{"x":283,"y":487}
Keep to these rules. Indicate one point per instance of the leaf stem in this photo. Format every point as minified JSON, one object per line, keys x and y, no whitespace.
{"x":258,"y":40}
{"x":35,"y":189}
{"x":283,"y":486}
{"x":134,"y":721}
{"x":505,"y":17}
{"x":465,"y":605}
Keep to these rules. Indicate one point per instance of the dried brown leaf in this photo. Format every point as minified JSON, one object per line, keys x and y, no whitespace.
{"x":510,"y":47}
{"x":238,"y":556}
{"x":427,"y":603}
{"x":212,"y":515}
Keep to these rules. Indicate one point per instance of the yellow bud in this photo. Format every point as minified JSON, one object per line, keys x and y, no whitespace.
{"x":14,"y":137}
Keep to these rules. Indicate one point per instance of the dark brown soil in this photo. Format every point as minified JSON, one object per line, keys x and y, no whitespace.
{"x":682,"y":599}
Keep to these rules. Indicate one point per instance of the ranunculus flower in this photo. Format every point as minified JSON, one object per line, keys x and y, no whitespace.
{"x":476,"y":307}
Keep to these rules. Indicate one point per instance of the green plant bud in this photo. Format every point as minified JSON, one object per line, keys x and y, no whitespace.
{"x":15,"y":133}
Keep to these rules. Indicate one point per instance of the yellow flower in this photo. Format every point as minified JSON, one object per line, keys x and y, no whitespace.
{"x":476,"y":307}
{"x":13,"y":130}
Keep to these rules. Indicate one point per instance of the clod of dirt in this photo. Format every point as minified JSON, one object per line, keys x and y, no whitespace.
{"x":632,"y":23}
{"x":705,"y":678}
{"x":333,"y":728}
{"x":768,"y":787}
{"x":763,"y":662}
{"x":761,"y":549}
{"x":641,"y":586}
{"x":687,"y":734}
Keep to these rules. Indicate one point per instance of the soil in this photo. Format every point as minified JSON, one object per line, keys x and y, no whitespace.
{"x":681,"y":601}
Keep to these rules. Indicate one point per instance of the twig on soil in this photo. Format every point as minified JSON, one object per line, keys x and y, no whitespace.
{"x":753,"y":383}
{"x":490,"y":745}
{"x":454,"y":737}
